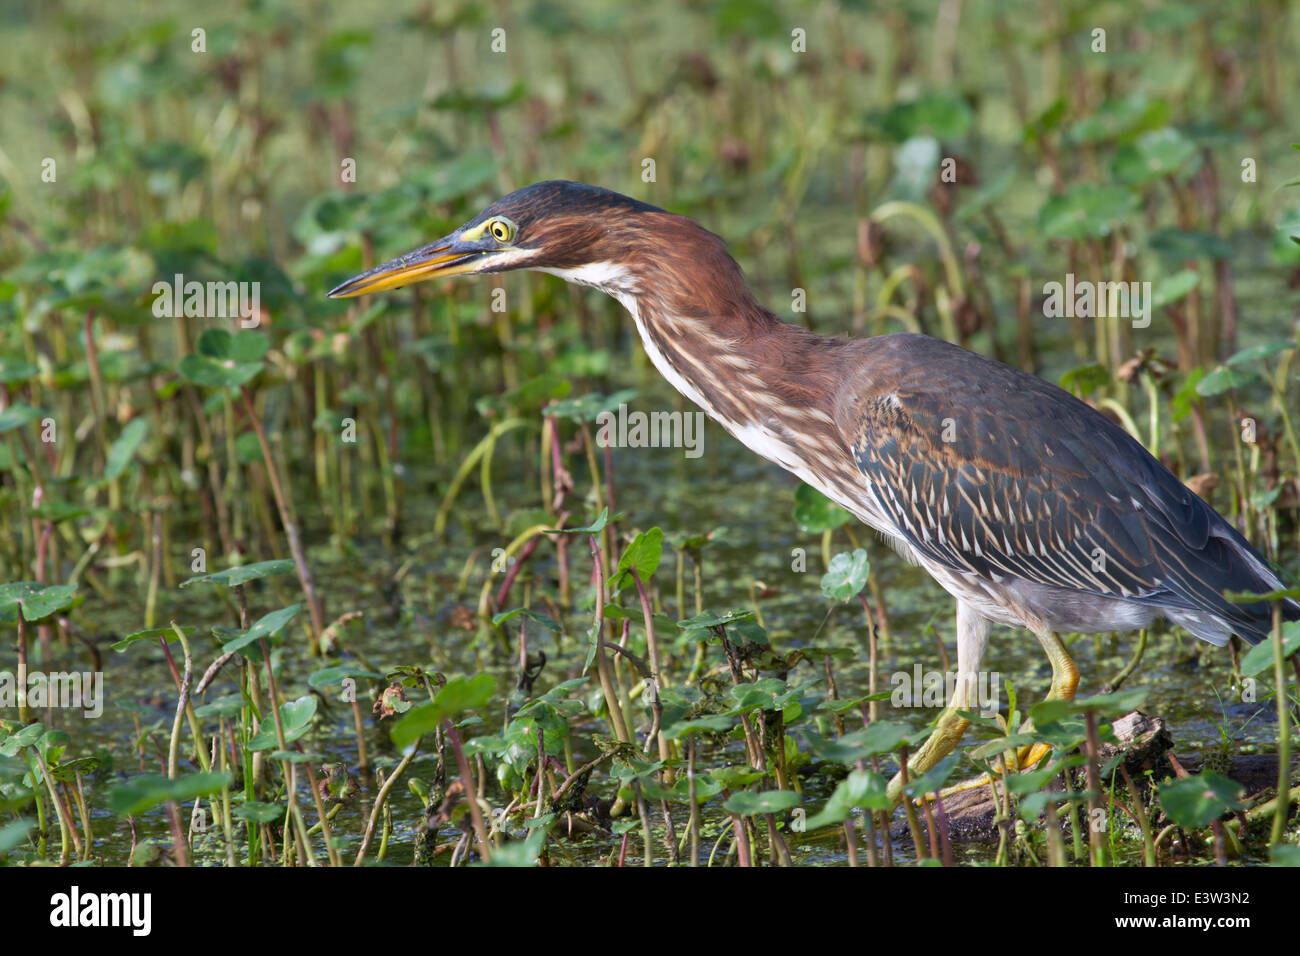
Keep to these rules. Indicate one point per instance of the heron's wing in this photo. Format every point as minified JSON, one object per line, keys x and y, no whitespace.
{"x":992,"y":471}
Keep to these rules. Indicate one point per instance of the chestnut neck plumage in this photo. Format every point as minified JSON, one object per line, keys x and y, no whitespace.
{"x":769,"y":383}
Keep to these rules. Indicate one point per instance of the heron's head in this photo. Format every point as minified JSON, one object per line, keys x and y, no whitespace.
{"x":577,"y":231}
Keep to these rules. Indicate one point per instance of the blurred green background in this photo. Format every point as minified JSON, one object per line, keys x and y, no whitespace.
{"x":814,"y":137}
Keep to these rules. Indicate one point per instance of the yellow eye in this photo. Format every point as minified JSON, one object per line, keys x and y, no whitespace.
{"x":500,"y":230}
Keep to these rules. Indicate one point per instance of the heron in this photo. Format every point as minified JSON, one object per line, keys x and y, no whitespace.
{"x":1030,"y":507}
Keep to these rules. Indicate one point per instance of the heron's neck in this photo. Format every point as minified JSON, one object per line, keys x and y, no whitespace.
{"x":767,"y":382}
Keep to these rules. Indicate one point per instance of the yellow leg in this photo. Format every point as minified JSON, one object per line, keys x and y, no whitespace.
{"x":972,"y":636}
{"x":1065,"y":680}
{"x":946,"y":735}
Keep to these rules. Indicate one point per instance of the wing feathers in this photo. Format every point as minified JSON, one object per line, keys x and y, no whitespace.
{"x":997,"y":473}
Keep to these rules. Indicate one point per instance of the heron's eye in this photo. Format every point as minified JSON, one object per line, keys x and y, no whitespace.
{"x":500,"y":230}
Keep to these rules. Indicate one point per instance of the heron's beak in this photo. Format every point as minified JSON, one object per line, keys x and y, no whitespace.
{"x":446,"y":257}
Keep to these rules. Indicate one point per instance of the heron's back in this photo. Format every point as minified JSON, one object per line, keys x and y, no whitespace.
{"x":994,"y":473}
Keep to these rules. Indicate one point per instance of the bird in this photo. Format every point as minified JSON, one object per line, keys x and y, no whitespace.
{"x":1026,"y":504}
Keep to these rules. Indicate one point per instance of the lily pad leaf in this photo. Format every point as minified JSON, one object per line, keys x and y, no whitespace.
{"x":242,"y":574}
{"x":266,"y":626}
{"x":814,"y":513}
{"x":295,"y":717}
{"x":746,"y":803}
{"x":168,"y":634}
{"x":861,"y":789}
{"x":37,"y":600}
{"x":846,"y":576}
{"x":459,"y":695}
{"x":547,"y":622}
{"x":147,"y":791}
{"x":1196,"y":801}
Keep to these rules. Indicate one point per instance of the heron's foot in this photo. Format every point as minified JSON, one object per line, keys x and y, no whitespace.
{"x":974,"y":783}
{"x":947,"y":733}
{"x":1026,"y":758}
{"x":1031,"y":756}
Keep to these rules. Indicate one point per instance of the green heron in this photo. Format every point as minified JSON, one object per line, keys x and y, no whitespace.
{"x":1029,"y":506}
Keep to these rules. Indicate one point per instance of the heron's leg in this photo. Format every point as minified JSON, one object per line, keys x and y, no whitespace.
{"x":1065,"y":680}
{"x":972,"y":637}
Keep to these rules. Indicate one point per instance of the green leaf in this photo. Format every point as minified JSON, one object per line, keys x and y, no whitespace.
{"x":266,"y":626}
{"x":26,"y":737}
{"x":242,"y":346}
{"x":547,"y":622}
{"x":11,"y":597}
{"x":861,"y":789}
{"x":294,"y":756}
{"x":585,"y":408}
{"x":1223,"y":378}
{"x":1118,"y":119}
{"x":942,"y":115}
{"x":746,"y":803}
{"x":814,"y":513}
{"x":459,"y":695}
{"x":151,"y":633}
{"x":991,"y":748}
{"x":596,"y":527}
{"x":333,"y":676}
{"x":124,"y":449}
{"x":766,"y":693}
{"x":734,"y":777}
{"x":242,"y":574}
{"x":57,"y":511}
{"x":13,"y":834}
{"x":1180,"y":245}
{"x":1029,"y":781}
{"x":847,"y":575}
{"x":228,"y":706}
{"x":17,"y":415}
{"x":295,"y":717}
{"x":877,"y":738}
{"x":934,"y":779}
{"x":223,"y":359}
{"x":699,"y":725}
{"x":706,"y":789}
{"x":1154,"y":154}
{"x":1116,"y":704}
{"x":202,"y":370}
{"x":1260,"y":657}
{"x":14,"y":369}
{"x":1186,"y":395}
{"x":12,"y":768}
{"x":38,"y":601}
{"x":709,"y":619}
{"x":297,"y":714}
{"x":520,"y":853}
{"x":1282,"y":854}
{"x":1286,"y":237}
{"x":1196,"y":801}
{"x":1087,"y":378}
{"x":1085,"y":212}
{"x":256,"y":812}
{"x":147,"y":791}
{"x":642,"y":556}
{"x":1174,"y":287}
{"x":1257,"y":353}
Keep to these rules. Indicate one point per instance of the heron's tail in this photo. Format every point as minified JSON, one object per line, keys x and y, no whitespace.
{"x":1235,"y":568}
